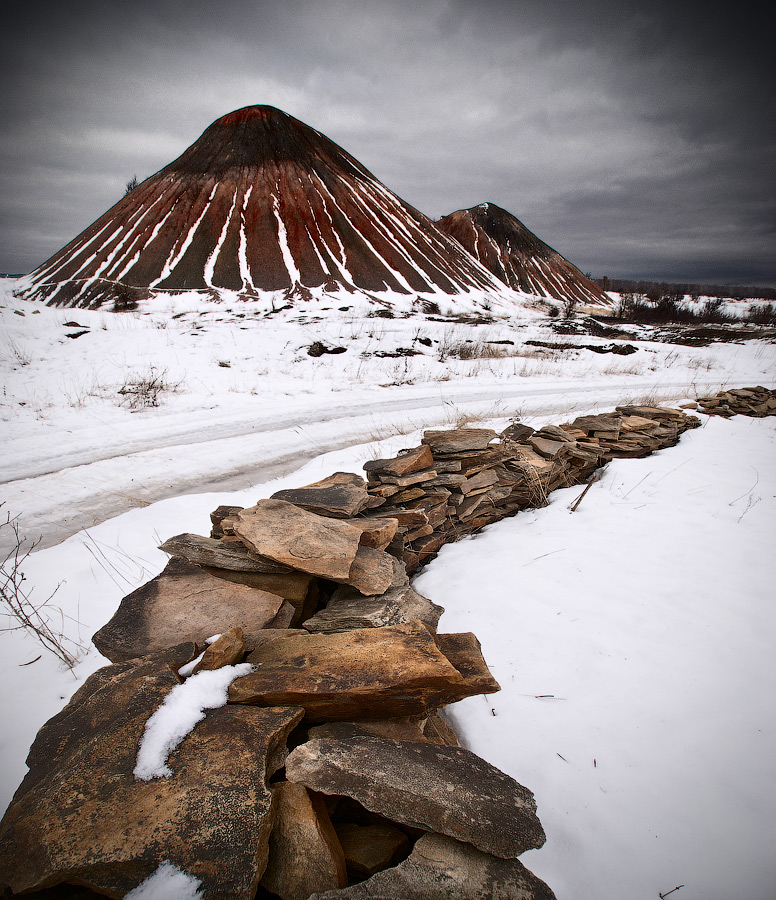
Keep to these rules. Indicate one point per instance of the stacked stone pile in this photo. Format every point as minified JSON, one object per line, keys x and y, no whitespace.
{"x":753,"y":401}
{"x":457,"y":481}
{"x":330,"y":773}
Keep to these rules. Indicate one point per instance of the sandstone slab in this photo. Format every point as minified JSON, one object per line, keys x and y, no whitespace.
{"x":405,"y":463}
{"x":346,"y":612}
{"x":183,"y":603}
{"x":441,"y":868}
{"x":377,"y":532}
{"x":371,"y":673}
{"x":458,"y":439}
{"x":221,"y":554}
{"x":371,"y":571}
{"x":435,"y":787}
{"x":300,"y":539}
{"x":340,"y":496}
{"x":81,"y":815}
{"x":227,"y":650}
{"x":291,"y":586}
{"x":305,"y":854}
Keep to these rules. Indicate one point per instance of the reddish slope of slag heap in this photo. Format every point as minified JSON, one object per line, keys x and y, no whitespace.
{"x":260,"y":202}
{"x":515,"y":255}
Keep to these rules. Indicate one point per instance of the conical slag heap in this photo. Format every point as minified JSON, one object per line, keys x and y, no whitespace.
{"x":518,"y":257}
{"x":260,"y":202}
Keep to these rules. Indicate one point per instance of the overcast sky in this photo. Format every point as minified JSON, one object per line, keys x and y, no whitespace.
{"x":636,"y":138}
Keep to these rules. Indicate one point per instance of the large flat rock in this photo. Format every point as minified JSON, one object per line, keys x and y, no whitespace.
{"x":300,"y":539}
{"x":456,"y":440}
{"x":227,"y":553}
{"x":371,"y":673}
{"x":346,"y":611}
{"x":435,"y":787}
{"x":80,"y":815}
{"x":340,"y":496}
{"x":440,"y":868}
{"x":183,"y":603}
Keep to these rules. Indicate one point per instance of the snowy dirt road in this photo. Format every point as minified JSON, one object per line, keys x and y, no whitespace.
{"x":58,"y":493}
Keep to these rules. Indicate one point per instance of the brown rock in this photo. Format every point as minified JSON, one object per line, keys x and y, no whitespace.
{"x":378,"y":532}
{"x":223,"y":554}
{"x":340,"y":496}
{"x":370,"y":848}
{"x":458,"y":439}
{"x":292,"y":586}
{"x":404,"y":481}
{"x":437,"y":730}
{"x":430,"y":786}
{"x":441,"y":868}
{"x":517,"y":433}
{"x":547,"y":448}
{"x":406,"y":728}
{"x":465,"y":653}
{"x":481,"y":480}
{"x":302,"y":540}
{"x":371,"y":571}
{"x":412,"y":518}
{"x":81,"y":815}
{"x":371,"y":673}
{"x":404,"y":464}
{"x":227,"y":650}
{"x":347,"y":611}
{"x":305,"y":854}
{"x":183,"y":603}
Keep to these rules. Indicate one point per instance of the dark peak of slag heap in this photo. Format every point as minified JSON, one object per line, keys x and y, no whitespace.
{"x":256,"y":136}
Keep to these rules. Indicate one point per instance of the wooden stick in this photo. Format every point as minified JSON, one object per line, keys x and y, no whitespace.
{"x":581,"y":497}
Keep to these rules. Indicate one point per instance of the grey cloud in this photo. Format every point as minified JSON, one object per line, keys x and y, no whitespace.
{"x":634,"y":138}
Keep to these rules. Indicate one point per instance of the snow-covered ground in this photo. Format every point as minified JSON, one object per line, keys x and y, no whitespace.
{"x":647,"y":614}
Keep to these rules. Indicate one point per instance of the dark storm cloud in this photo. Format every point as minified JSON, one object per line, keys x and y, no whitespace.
{"x":635,"y":138}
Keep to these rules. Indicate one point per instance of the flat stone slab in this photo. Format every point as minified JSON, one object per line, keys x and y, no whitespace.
{"x":440,"y":868}
{"x":300,"y":539}
{"x":371,"y":673}
{"x":81,"y":815}
{"x":405,"y":463}
{"x":458,"y":439}
{"x":183,"y":603}
{"x":435,"y":787}
{"x":220,"y":554}
{"x":340,"y":496}
{"x":346,"y":613}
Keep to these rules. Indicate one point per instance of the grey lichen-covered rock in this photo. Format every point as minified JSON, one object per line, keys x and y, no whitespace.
{"x":231,"y":555}
{"x":440,"y":868}
{"x":347,"y":612}
{"x":300,"y":539}
{"x":340,"y":496}
{"x":81,"y":815}
{"x":183,"y":603}
{"x":435,"y":787}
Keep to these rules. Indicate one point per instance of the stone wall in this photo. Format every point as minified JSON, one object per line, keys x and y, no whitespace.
{"x":330,"y":772}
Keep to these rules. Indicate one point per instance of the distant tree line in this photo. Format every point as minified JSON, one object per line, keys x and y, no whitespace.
{"x":662,"y":288}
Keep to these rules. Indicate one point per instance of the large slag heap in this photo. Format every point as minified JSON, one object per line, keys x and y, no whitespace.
{"x":259,"y":203}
